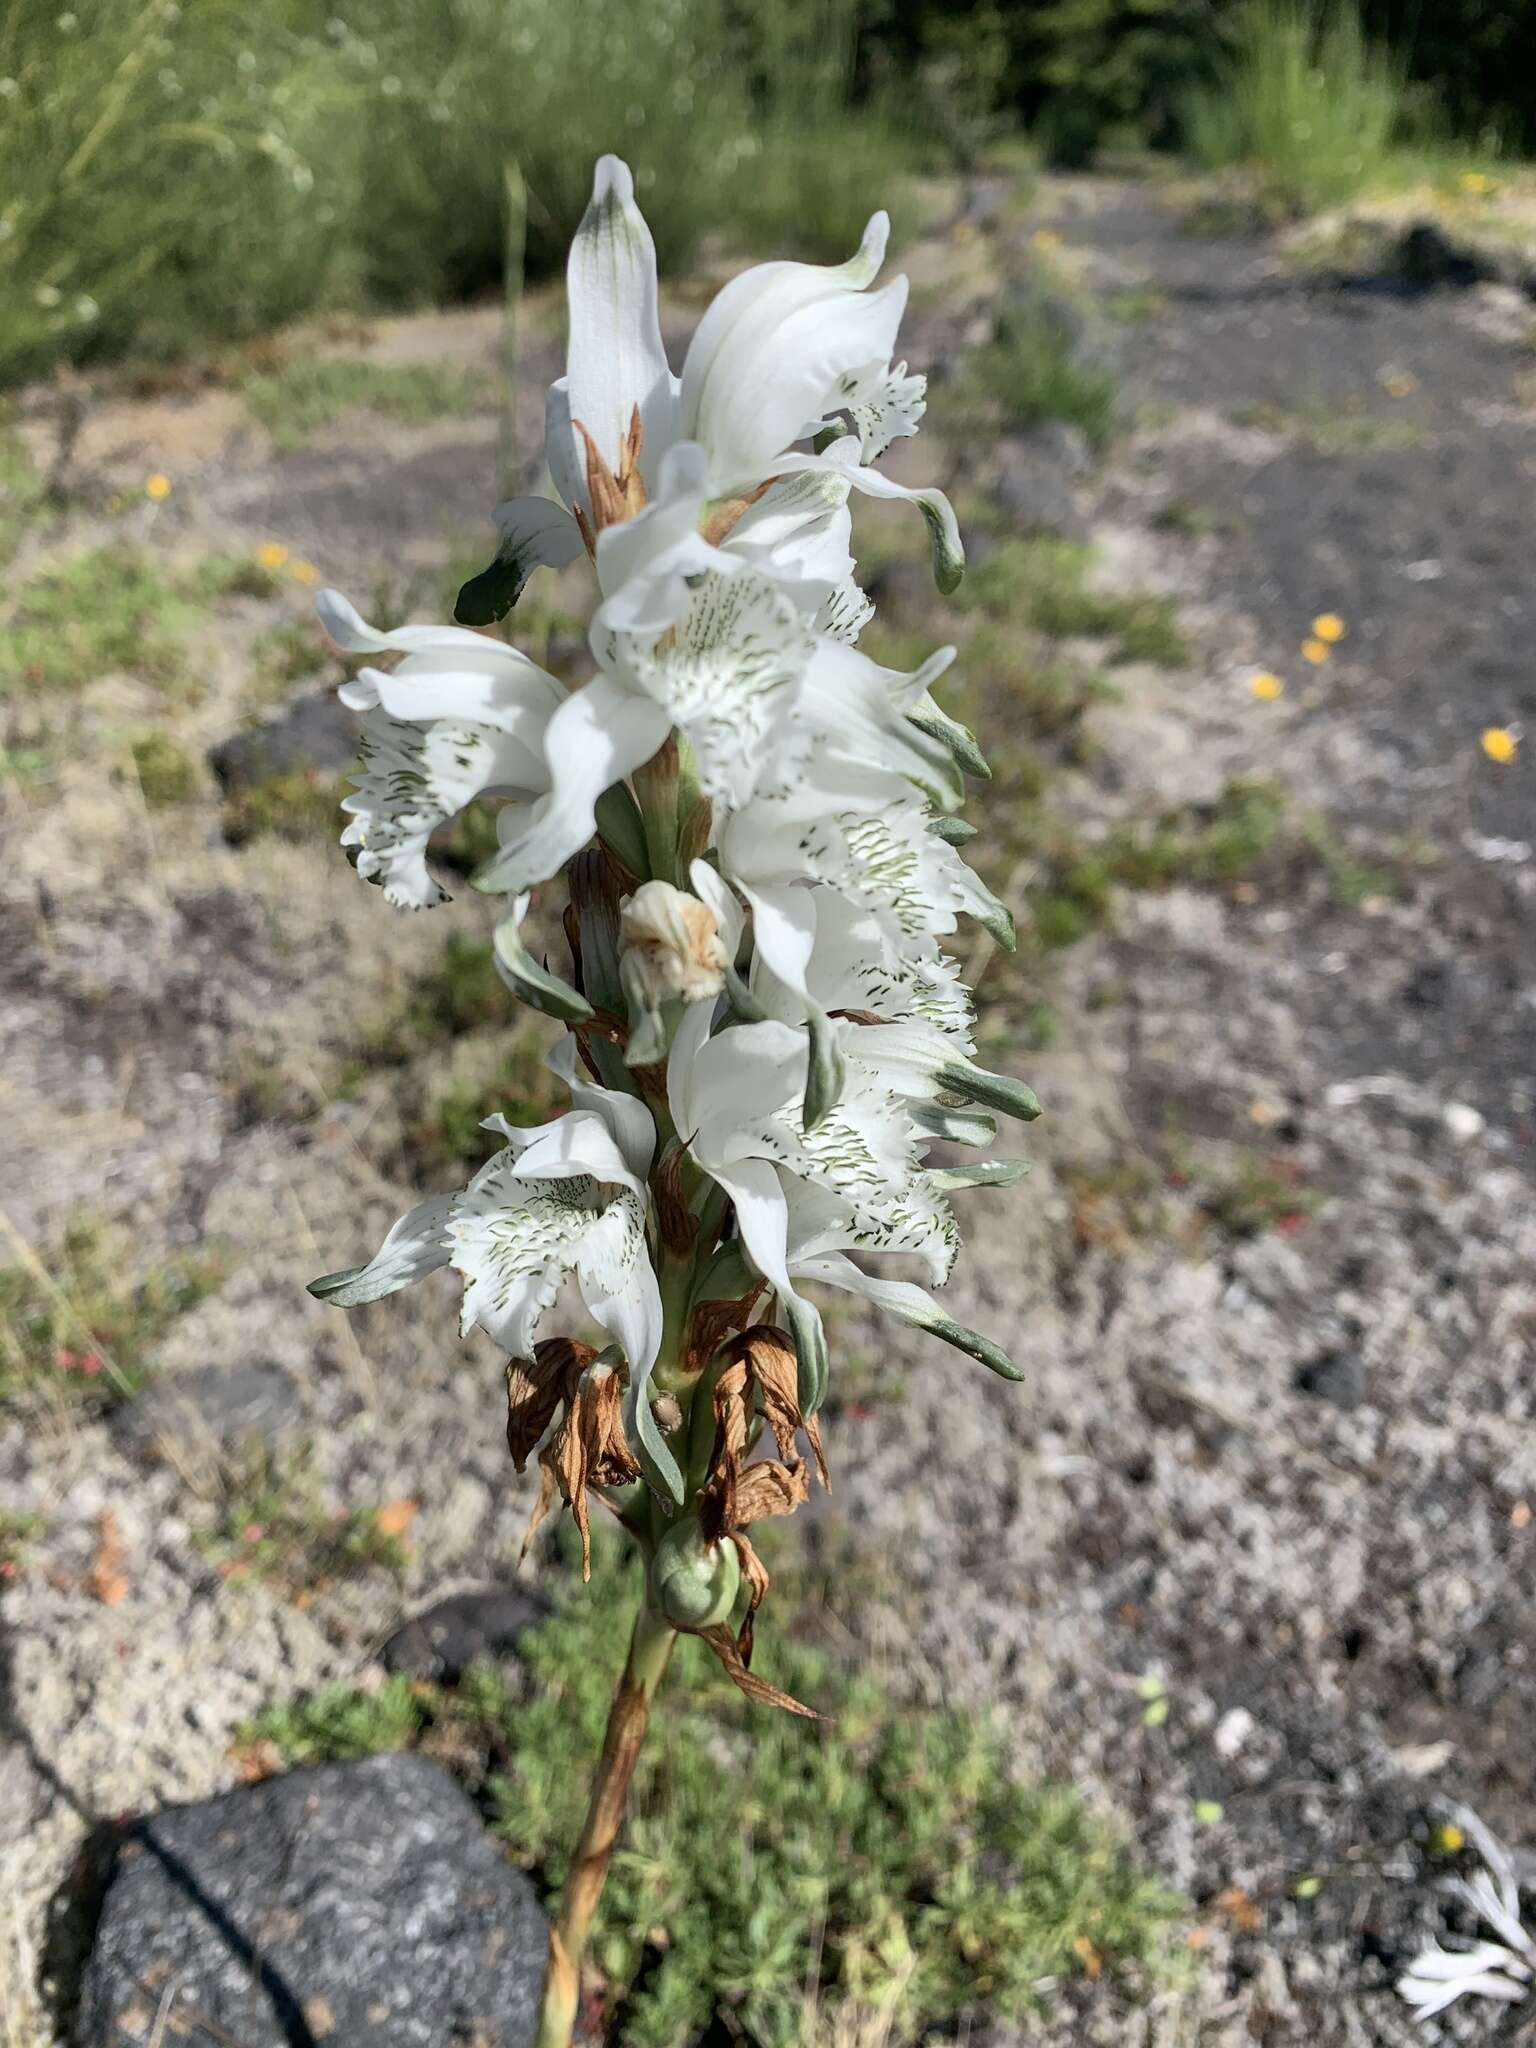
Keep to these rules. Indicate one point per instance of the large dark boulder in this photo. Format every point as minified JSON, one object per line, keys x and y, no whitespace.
{"x":351,"y":1904}
{"x":225,"y":1404}
{"x":316,"y":734}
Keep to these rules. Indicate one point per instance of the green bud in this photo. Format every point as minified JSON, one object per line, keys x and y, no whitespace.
{"x":693,"y":1582}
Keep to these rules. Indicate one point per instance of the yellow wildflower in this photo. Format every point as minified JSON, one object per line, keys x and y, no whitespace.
{"x":1399,"y":383}
{"x":1045,"y":239}
{"x":304,"y":572}
{"x":157,"y":486}
{"x":1314,"y":650}
{"x":1266,"y":687}
{"x":1478,"y":183}
{"x":1328,"y":626}
{"x":271,"y":554}
{"x":1499,"y":743}
{"x":1448,"y":1839}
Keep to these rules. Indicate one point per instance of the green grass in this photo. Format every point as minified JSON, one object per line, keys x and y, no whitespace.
{"x":17,"y":1532}
{"x":111,"y":609}
{"x":447,"y":1133}
{"x":300,"y":805}
{"x":889,"y":1859}
{"x":1334,"y":429}
{"x":1043,"y":582}
{"x":302,"y":399}
{"x":1256,"y":1196}
{"x":273,"y":1526}
{"x":176,"y":177}
{"x":1305,"y":103}
{"x":462,"y":992}
{"x":21,"y":489}
{"x":167,"y":773}
{"x":1032,"y":372}
{"x":84,"y":1332}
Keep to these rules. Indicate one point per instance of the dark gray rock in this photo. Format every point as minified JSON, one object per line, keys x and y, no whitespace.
{"x":228,"y":1403}
{"x":441,"y":1642}
{"x":352,"y":1904}
{"x":317,"y":732}
{"x":1427,"y":259}
{"x":1337,"y":1376}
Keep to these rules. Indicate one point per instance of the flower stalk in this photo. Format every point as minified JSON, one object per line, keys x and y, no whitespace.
{"x":650,"y":1650}
{"x":753,"y":827}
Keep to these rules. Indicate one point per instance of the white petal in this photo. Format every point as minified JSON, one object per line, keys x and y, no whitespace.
{"x":735,"y":363}
{"x":943,"y":528}
{"x":784,"y":932}
{"x":762,"y":1217}
{"x":351,"y":632}
{"x":888,"y":410}
{"x":728,"y":672}
{"x":768,"y":382}
{"x":644,"y":563}
{"x":576,"y":1144}
{"x":626,"y":1116}
{"x":535,"y":533}
{"x":615,"y":360}
{"x":710,"y":889}
{"x":564,"y":453}
{"x":514,"y":1240}
{"x":418,"y":1244}
{"x":618,"y":1283}
{"x":597,"y":737}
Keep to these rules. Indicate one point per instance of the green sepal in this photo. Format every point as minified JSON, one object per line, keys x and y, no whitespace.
{"x":958,"y":739}
{"x":826,"y":1071}
{"x":998,"y":1091}
{"x":953,"y":831}
{"x":491,"y":595}
{"x":744,"y":1005}
{"x":959,"y":1126}
{"x":986,"y":1173}
{"x":982,"y":1349}
{"x":530,"y":982}
{"x":622,"y":830}
{"x":810,"y":1352}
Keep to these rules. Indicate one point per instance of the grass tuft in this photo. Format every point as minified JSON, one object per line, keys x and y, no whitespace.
{"x":1042,"y":582}
{"x":166,"y":771}
{"x":84,"y":1333}
{"x":273,"y":1526}
{"x":1305,"y":101}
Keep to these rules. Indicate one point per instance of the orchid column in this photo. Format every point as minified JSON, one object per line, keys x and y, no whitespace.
{"x":753,"y":829}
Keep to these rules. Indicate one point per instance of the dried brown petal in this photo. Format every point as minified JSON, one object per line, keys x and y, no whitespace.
{"x":614,"y":497}
{"x":540,"y":1507}
{"x":535,"y":1389}
{"x":755,"y":1576}
{"x":724,"y":1645}
{"x":678,"y":1226}
{"x":766,"y":1489}
{"x":771,"y":1361}
{"x":709,"y":1326}
{"x":727,"y":511}
{"x":590,"y":1448}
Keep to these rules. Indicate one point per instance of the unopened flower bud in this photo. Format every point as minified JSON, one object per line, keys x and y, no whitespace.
{"x":674,"y":943}
{"x":693,"y":1581}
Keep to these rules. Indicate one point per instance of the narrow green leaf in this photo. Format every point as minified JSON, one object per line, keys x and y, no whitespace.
{"x":998,"y":1091}
{"x":826,"y":1070}
{"x":532,"y":983}
{"x":622,"y":830}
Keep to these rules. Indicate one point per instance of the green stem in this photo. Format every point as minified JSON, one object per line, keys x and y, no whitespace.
{"x":649,"y":1649}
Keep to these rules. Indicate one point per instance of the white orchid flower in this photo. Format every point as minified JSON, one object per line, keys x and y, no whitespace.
{"x":783,"y":353}
{"x":804,"y":1199}
{"x":1503,"y":1970}
{"x":565,"y":1197}
{"x":460,"y":717}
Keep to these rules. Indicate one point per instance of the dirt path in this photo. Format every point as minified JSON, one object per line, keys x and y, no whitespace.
{"x":1271,"y":1275}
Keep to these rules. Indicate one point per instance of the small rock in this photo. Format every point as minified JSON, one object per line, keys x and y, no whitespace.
{"x":226,"y":1403}
{"x":1462,"y":1121}
{"x":1232,"y":1731}
{"x":317,"y":732}
{"x":442,"y":1641}
{"x":358,"y":1903}
{"x":1427,"y":258}
{"x":1338,"y":1376}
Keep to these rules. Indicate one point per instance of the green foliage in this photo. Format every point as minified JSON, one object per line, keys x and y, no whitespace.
{"x":1304,"y":100}
{"x":21,"y":489}
{"x":449,"y":1133}
{"x":1033,"y":372}
{"x":887,"y":1860}
{"x":112,"y":608}
{"x":300,"y":805}
{"x":166,"y":771}
{"x":1256,"y":1196}
{"x":175,"y":175}
{"x":17,"y":1531}
{"x":303,"y":398}
{"x":273,"y":1526}
{"x":85,"y":1332}
{"x":1042,"y":581}
{"x":1087,"y":70}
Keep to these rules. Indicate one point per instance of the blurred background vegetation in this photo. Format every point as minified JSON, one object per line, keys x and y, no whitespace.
{"x":175,"y":175}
